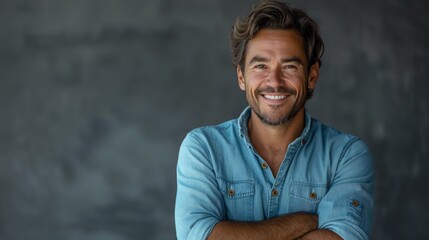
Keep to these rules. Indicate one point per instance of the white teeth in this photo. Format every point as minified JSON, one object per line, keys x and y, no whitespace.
{"x":275,"y":97}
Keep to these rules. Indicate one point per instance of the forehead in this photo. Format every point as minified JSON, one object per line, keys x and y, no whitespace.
{"x":273,"y":43}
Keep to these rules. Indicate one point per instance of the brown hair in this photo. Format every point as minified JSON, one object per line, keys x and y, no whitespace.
{"x":276,"y":15}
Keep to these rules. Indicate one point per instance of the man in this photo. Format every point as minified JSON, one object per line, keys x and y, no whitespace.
{"x":275,"y":172}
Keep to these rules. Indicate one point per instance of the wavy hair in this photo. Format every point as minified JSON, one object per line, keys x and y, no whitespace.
{"x":274,"y":14}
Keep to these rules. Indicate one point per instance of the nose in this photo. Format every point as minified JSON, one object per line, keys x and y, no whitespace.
{"x":276,"y":77}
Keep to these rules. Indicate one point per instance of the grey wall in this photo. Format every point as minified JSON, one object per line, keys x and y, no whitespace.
{"x":96,"y":96}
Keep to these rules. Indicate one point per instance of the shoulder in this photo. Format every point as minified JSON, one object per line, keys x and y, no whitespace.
{"x":331,"y":134}
{"x":208,"y":136}
{"x":345,"y":145}
{"x":204,"y":144}
{"x":225,"y":129}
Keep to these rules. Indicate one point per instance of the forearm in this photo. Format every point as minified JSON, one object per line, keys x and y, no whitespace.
{"x":291,"y":226}
{"x":321,"y":234}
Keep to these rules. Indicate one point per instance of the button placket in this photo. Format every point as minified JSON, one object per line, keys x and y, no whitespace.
{"x":278,"y":183}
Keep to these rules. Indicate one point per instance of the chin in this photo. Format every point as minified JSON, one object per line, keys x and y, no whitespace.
{"x":273,"y":119}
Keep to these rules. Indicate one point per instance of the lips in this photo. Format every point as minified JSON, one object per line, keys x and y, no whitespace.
{"x":275,"y":100}
{"x":274,"y":97}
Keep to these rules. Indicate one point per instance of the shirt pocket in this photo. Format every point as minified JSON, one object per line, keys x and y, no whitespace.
{"x":305,"y":197}
{"x":238,"y":197}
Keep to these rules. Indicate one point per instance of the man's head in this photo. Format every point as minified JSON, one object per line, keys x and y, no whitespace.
{"x":273,"y":14}
{"x":277,"y":51}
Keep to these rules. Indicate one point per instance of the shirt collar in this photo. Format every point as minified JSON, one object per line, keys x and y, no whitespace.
{"x":244,"y":117}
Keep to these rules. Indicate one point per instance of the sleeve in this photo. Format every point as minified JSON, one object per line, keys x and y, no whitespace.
{"x":198,"y":200}
{"x":347,"y":208}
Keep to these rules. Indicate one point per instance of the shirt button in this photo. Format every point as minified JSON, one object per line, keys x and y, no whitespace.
{"x":274,"y":193}
{"x":231,"y":192}
{"x":313,"y":195}
{"x":355,"y":203}
{"x":264,"y":165}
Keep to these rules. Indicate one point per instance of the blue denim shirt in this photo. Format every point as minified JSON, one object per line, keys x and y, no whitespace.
{"x":221,"y":177}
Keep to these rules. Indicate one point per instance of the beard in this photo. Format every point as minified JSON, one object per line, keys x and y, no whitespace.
{"x":278,"y":115}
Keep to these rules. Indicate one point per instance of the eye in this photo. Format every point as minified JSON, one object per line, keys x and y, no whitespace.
{"x":260,"y":66}
{"x":290,"y":67}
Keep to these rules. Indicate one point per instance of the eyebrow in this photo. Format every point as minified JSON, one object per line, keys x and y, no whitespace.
{"x":284,"y":60}
{"x":292,"y":59}
{"x":258,"y":59}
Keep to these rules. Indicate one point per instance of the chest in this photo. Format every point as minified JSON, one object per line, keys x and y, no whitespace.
{"x":273,"y":158}
{"x":299,"y":186}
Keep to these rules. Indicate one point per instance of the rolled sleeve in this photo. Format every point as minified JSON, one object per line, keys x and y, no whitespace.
{"x":198,"y":200}
{"x":347,"y":208}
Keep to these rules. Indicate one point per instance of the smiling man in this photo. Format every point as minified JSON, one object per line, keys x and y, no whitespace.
{"x":275,"y":172}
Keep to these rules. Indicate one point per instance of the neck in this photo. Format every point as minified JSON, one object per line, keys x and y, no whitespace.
{"x":271,"y":142}
{"x":276,"y":137}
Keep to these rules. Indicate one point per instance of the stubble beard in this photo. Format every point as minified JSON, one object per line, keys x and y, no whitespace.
{"x":275,"y":121}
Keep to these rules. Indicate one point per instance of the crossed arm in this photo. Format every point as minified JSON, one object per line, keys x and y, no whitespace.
{"x":291,"y":226}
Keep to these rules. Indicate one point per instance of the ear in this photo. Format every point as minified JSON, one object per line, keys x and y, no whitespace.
{"x":240,"y":77}
{"x":313,"y":75}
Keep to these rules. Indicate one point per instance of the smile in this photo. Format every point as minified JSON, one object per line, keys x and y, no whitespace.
{"x":275,"y":97}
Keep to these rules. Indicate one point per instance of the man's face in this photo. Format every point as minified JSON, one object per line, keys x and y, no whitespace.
{"x":276,"y":75}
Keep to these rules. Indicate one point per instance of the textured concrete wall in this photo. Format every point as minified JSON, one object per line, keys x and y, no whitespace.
{"x":96,"y":96}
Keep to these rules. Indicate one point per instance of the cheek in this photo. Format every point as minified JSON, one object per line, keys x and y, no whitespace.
{"x":250,"y":91}
{"x":300,"y":82}
{"x":254,"y":81}
{"x":256,"y":78}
